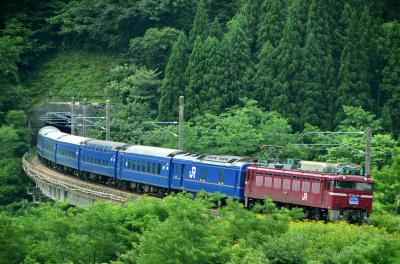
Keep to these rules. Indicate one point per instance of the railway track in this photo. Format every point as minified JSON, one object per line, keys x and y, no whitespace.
{"x":38,"y":172}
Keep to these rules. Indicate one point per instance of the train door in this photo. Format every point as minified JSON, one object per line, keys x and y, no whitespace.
{"x":247,"y":181}
{"x":325,"y":190}
{"x":117,"y":159}
{"x":182,"y":174}
{"x":178,"y":173}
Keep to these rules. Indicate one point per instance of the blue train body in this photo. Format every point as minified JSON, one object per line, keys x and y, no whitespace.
{"x":69,"y":150}
{"x":223,"y":174}
{"x":146,"y":165}
{"x":100,"y":157}
{"x":169,"y":169}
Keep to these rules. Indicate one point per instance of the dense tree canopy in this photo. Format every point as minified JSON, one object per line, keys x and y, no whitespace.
{"x":254,"y":73}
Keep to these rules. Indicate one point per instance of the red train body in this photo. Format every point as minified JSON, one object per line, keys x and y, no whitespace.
{"x":325,"y":196}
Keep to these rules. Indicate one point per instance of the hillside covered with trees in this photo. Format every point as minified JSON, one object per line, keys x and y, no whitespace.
{"x":254,"y":73}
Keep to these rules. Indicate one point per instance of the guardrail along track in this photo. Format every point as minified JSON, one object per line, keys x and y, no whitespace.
{"x":40,"y":174}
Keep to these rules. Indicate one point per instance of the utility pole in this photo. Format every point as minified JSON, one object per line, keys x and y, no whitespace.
{"x":108,"y":120}
{"x":83,"y":117}
{"x":181,"y":122}
{"x":368,"y":134}
{"x":72,"y":116}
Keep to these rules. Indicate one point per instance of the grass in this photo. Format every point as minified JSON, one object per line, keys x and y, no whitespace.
{"x":72,"y":73}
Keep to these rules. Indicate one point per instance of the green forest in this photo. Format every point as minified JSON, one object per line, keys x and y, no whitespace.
{"x":254,"y":73}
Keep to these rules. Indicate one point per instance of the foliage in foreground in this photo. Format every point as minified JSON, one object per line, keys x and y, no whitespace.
{"x":178,"y":229}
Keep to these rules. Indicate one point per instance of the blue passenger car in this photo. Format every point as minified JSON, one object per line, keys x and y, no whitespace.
{"x":49,"y":143}
{"x":68,"y":150}
{"x":100,"y":157}
{"x":224,"y":174}
{"x":146,"y":165}
{"x":40,"y":138}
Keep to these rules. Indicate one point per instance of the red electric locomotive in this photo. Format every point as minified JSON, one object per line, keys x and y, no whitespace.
{"x":328,"y":196}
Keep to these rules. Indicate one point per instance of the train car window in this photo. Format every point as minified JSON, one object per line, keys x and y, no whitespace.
{"x":305,"y":186}
{"x":259,"y":173}
{"x":278,"y":175}
{"x":133,"y":164}
{"x":296,"y":184}
{"x":269,"y":174}
{"x":221,"y":177}
{"x":138,"y":165}
{"x":277,"y":183}
{"x":286,"y":184}
{"x":259,"y":179}
{"x":176,"y":170}
{"x":286,"y":176}
{"x":158,"y":168}
{"x":316,"y":180}
{"x":107,"y":163}
{"x":315,"y":187}
{"x":143,"y":166}
{"x":153,"y":168}
{"x":268,"y":181}
{"x":148,"y":166}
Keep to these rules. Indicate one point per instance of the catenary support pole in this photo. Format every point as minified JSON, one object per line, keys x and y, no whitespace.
{"x":181,"y":122}
{"x":72,"y":116}
{"x":84,"y":102}
{"x":368,"y":134}
{"x":108,"y":137}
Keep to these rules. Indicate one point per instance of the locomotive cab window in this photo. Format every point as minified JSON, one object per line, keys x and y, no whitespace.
{"x":364,"y":186}
{"x":343,"y":185}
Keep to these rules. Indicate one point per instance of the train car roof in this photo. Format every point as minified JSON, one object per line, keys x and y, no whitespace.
{"x":152,"y":151}
{"x":47,"y":129}
{"x":107,"y":145}
{"x":74,"y":139}
{"x":55,"y":135}
{"x":221,"y":160}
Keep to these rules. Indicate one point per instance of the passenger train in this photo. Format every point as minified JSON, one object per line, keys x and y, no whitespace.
{"x":327,"y":196}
